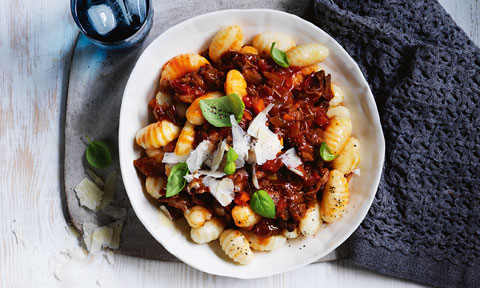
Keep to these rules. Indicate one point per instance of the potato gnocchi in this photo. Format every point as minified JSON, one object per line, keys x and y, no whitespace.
{"x":257,"y":179}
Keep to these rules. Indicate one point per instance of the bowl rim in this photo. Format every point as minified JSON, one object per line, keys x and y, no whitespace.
{"x":376,"y":119}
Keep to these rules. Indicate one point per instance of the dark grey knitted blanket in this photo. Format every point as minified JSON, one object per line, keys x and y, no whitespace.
{"x":424,"y":224}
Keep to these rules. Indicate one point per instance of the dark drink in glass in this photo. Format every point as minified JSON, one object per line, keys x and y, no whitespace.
{"x":113,"y":24}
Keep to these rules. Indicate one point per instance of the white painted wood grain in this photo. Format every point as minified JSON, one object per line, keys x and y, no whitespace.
{"x":36,"y":38}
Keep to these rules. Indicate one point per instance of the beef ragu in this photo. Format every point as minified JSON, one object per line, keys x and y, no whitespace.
{"x":296,"y":102}
{"x":298,"y":115}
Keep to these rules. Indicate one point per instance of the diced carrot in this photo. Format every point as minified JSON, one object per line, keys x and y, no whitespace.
{"x":242,"y":199}
{"x":258,"y":105}
{"x":288,"y":117}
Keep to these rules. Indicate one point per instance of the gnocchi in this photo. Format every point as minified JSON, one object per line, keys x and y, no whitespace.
{"x":185,"y":140}
{"x":337,"y":96}
{"x":339,"y":112}
{"x":306,"y":55}
{"x":291,"y":234}
{"x":228,"y":38}
{"x":154,"y":185}
{"x":180,"y":65}
{"x":157,"y":134}
{"x":163,"y":98}
{"x":197,"y":215}
{"x":208,"y":232}
{"x":194,"y":114}
{"x":269,"y":243}
{"x":311,"y":221}
{"x":243,"y":216}
{"x":155,"y":153}
{"x":337,"y":133}
{"x":263,"y":42}
{"x":249,"y":50}
{"x":350,"y":157}
{"x":335,"y":197}
{"x":235,"y":83}
{"x":236,"y":246}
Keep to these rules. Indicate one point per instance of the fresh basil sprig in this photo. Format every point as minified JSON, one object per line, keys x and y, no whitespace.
{"x":176,"y":181}
{"x":217,"y":111}
{"x":230,"y":167}
{"x":325,"y":153}
{"x":262,"y":203}
{"x":279,"y":56}
{"x":97,"y":154}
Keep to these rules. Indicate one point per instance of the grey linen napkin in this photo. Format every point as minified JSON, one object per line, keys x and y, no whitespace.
{"x":424,"y":224}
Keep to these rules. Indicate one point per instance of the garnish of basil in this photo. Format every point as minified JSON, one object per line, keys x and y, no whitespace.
{"x":325,"y":153}
{"x":262,"y":203}
{"x":217,"y":111}
{"x":232,"y":155}
{"x":279,"y":56}
{"x":176,"y":181}
{"x":97,"y":154}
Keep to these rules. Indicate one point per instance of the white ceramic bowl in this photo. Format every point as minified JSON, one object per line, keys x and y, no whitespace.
{"x":193,"y":36}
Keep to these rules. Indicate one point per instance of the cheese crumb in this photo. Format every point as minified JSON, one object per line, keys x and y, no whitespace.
{"x":222,"y":190}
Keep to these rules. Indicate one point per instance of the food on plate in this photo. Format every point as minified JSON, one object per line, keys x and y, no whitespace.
{"x":250,"y":144}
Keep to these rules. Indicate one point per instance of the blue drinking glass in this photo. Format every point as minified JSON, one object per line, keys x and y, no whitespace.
{"x":113,"y":24}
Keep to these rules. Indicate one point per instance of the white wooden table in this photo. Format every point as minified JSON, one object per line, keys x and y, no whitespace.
{"x":36,"y":38}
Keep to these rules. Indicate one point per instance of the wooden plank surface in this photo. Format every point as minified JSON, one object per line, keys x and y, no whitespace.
{"x":36,"y":38}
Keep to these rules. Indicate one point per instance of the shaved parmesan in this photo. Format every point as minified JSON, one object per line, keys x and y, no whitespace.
{"x":88,"y":229}
{"x":267,"y":146}
{"x":292,"y":161}
{"x":89,"y":194}
{"x":222,"y":190}
{"x":218,"y":156}
{"x":77,"y":253}
{"x":188,"y":177}
{"x":117,"y":232}
{"x":259,"y":122}
{"x":241,"y":142}
{"x":165,"y":212}
{"x":356,"y":171}
{"x":199,"y":155}
{"x":173,"y":158}
{"x":214,"y":174}
{"x":98,"y":181}
{"x":109,"y":189}
{"x":101,"y":237}
{"x":254,"y":176}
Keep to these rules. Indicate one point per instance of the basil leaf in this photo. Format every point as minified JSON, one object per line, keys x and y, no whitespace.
{"x":262,"y":203}
{"x":175,"y":181}
{"x":326,"y":154}
{"x":97,"y":154}
{"x":232,"y":155}
{"x":230,"y":168}
{"x":217,"y":111}
{"x":279,"y":56}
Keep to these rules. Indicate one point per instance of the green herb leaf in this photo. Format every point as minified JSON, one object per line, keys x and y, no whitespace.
{"x":279,"y":56}
{"x":175,"y":181}
{"x":232,"y":155}
{"x":217,"y":111}
{"x":262,"y":203}
{"x":325,"y":153}
{"x":97,"y":153}
{"x":230,"y":168}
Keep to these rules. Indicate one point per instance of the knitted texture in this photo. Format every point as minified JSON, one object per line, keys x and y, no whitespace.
{"x":424,"y":224}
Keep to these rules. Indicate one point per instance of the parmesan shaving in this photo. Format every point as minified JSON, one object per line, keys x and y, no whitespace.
{"x":109,"y":189}
{"x":259,"y":122}
{"x":218,"y":156}
{"x":173,"y":158}
{"x":101,"y":237}
{"x":222,"y":190}
{"x":117,"y":232}
{"x":199,"y":155}
{"x":292,"y":161}
{"x":89,"y":194}
{"x":356,"y":171}
{"x":88,"y":229}
{"x":241,"y":142}
{"x":267,"y":146}
{"x":109,"y":257}
{"x":188,"y":177}
{"x":96,"y":179}
{"x":254,"y":176}
{"x":165,"y":211}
